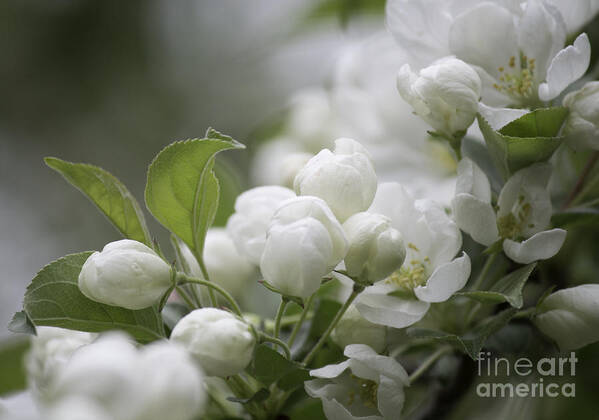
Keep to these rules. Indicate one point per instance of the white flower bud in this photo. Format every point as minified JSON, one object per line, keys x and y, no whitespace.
{"x":353,"y":328}
{"x":571,"y":316}
{"x":345,"y":178}
{"x":155,"y":382}
{"x":222,"y":343}
{"x":304,"y":242}
{"x":375,"y":248}
{"x":51,"y":348}
{"x":253,"y":211}
{"x":224,"y":264}
{"x":126,"y":273}
{"x":582,"y":125}
{"x":445,"y":94}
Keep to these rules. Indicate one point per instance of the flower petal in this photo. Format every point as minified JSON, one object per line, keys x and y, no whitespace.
{"x":330,"y":371}
{"x":447,"y":279}
{"x":472,"y":180}
{"x":475,"y":217}
{"x":569,"y":65}
{"x":484,"y":36}
{"x":390,"y":398}
{"x":499,"y":117}
{"x":390,"y":310}
{"x":540,"y":246}
{"x":384,"y":365}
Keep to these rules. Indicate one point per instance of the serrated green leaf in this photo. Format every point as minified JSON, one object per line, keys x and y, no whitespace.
{"x":13,"y":377}
{"x":529,"y":139}
{"x":182,"y":190}
{"x":507,"y":289}
{"x":268,"y":366}
{"x":109,"y":194}
{"x":21,"y":324}
{"x":53,"y":299}
{"x":473,"y":341}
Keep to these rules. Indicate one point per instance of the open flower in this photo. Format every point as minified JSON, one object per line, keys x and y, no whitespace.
{"x":430,"y":273}
{"x":253,"y":210}
{"x":445,"y":95}
{"x":366,"y":386}
{"x":518,"y":51}
{"x":304,"y":243}
{"x":345,"y":178}
{"x":523,"y":215}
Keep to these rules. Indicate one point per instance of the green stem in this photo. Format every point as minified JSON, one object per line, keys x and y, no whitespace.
{"x":299,"y":323}
{"x":525,"y":313}
{"x":205,"y":274}
{"x":428,"y":363}
{"x":483,"y":273}
{"x":280,"y":313}
{"x":267,"y":338}
{"x":187,"y":279}
{"x":357,"y":290}
{"x":186,"y":298}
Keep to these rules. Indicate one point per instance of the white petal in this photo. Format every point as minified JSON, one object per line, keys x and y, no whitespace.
{"x":390,"y":398}
{"x":382,"y":364}
{"x":334,"y":410}
{"x":569,"y":65}
{"x":472,"y":180}
{"x":476,"y":218}
{"x":540,"y":246}
{"x":500,"y":117}
{"x":390,"y":310}
{"x":330,"y":371}
{"x":406,"y":80}
{"x":484,"y":36}
{"x":445,"y":280}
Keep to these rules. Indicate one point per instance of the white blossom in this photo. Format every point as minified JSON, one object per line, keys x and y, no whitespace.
{"x":304,"y":243}
{"x":522,"y":218}
{"x":571,"y":316}
{"x":51,"y":348}
{"x":582,"y":124}
{"x":353,"y":328}
{"x":155,"y":382}
{"x":431,"y":272}
{"x":444,"y":94}
{"x":126,"y":273}
{"x":253,"y":211}
{"x":344,"y":179}
{"x":222,"y":343}
{"x":366,"y":386}
{"x":517,"y":50}
{"x":375,"y":248}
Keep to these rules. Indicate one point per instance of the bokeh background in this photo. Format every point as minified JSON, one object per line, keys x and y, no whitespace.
{"x":113,"y":82}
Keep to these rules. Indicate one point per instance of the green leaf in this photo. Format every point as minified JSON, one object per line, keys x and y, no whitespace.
{"x":576,"y":217}
{"x":473,"y":341}
{"x":21,"y":324}
{"x":259,"y":396}
{"x":53,"y":299}
{"x":507,"y":289}
{"x":268,"y":366}
{"x":109,"y":194}
{"x":294,"y":379}
{"x":323,"y":316}
{"x":13,"y":377}
{"x":182,"y":191}
{"x":529,"y":139}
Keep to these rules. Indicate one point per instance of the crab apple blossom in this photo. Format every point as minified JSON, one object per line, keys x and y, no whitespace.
{"x":126,"y":273}
{"x":431,"y":272}
{"x":366,"y":385}
{"x":344,"y":179}
{"x":523,"y":215}
{"x":304,"y":243}
{"x":222,"y":343}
